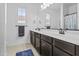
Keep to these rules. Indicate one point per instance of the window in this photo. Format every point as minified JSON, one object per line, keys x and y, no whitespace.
{"x":21,"y":12}
{"x":71,"y":21}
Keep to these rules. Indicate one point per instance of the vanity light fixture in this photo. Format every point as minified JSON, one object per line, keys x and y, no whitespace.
{"x":45,"y":5}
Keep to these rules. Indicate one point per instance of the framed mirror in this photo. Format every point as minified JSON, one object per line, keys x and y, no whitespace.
{"x":52,"y":16}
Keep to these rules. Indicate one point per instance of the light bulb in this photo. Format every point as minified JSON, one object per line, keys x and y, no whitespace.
{"x":45,"y":5}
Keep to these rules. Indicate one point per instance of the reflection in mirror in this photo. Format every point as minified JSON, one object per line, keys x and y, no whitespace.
{"x":71,"y":21}
{"x":70,"y":16}
{"x":47,"y":21}
{"x":55,"y":15}
{"x":52,"y":16}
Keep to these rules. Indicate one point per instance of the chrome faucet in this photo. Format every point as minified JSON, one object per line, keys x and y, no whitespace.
{"x":37,"y":29}
{"x":61,"y":31}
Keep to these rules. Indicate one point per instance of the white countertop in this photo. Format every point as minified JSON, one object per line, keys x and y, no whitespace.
{"x":68,"y":37}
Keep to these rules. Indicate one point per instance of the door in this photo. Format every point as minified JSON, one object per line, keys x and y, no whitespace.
{"x":37,"y":46}
{"x":32,"y":38}
{"x":77,"y":50}
{"x":63,"y":48}
{"x":58,"y":52}
{"x":46,"y":48}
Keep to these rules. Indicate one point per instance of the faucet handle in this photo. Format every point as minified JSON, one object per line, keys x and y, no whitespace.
{"x":61,"y":31}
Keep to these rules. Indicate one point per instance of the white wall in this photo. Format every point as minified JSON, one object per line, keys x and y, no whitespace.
{"x":12,"y":31}
{"x":2,"y":23}
{"x":78,"y":14}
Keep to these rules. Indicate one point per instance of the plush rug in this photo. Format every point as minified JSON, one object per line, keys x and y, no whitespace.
{"x":25,"y":53}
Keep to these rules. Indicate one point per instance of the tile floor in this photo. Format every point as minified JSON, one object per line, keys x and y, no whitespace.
{"x":11,"y":50}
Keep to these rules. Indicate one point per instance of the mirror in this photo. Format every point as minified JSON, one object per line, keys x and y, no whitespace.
{"x":47,"y":21}
{"x":70,"y":16}
{"x":53,"y":15}
{"x":61,"y":15}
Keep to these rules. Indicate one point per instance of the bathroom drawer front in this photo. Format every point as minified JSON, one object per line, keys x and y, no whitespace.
{"x":67,"y":47}
{"x":47,"y":38}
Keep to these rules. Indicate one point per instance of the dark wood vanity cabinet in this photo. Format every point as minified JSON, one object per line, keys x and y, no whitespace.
{"x":47,"y":39}
{"x":46,"y":48}
{"x":49,"y":46}
{"x":58,"y":52}
{"x":64,"y":48}
{"x":37,"y":42}
{"x":77,"y":50}
{"x":32,"y":38}
{"x":46,"y":45}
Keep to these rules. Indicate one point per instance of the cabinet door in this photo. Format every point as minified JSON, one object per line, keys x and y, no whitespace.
{"x":46,"y":49}
{"x":37,"y":46}
{"x":46,"y":38}
{"x":58,"y":52}
{"x":31,"y":37}
{"x":77,"y":50}
{"x":37,"y":35}
{"x":65,"y":46}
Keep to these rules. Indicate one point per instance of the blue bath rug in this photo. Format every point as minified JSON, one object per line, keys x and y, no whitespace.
{"x":25,"y":53}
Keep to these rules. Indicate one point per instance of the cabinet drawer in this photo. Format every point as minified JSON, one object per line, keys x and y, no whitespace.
{"x":67,"y":47}
{"x":46,"y":38}
{"x":58,"y":52}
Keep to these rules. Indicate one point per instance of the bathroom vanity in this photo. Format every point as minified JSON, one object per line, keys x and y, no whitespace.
{"x":51,"y":44}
